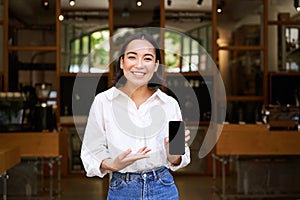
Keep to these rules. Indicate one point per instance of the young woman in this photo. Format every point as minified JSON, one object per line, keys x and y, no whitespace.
{"x":127,"y":128}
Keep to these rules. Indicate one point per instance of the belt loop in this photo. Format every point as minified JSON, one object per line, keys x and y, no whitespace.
{"x":127,"y":177}
{"x":154,"y":173}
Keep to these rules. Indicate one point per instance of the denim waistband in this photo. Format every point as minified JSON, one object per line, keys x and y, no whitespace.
{"x":142,"y":175}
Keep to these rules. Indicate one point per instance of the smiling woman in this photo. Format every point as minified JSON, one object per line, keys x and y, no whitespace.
{"x":142,"y":50}
{"x":139,"y":62}
{"x":127,"y":128}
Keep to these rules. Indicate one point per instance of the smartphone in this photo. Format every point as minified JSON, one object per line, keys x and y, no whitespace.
{"x":176,"y":137}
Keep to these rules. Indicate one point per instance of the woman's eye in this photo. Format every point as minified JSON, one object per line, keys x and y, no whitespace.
{"x":131,"y":57}
{"x":148,"y":59}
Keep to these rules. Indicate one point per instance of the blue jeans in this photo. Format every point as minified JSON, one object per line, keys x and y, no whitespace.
{"x":157,"y":184}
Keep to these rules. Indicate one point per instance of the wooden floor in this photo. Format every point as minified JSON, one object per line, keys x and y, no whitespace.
{"x":83,"y":188}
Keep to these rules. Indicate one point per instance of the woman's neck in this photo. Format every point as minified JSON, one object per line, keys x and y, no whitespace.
{"x":137,"y":94}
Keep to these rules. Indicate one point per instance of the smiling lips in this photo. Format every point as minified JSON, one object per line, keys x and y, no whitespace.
{"x":139,"y":74}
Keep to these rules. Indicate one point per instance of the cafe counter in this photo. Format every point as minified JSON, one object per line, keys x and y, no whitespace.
{"x":256,"y":162}
{"x":49,"y":147}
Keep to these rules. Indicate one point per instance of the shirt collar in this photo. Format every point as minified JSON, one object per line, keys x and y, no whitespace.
{"x":114,"y":92}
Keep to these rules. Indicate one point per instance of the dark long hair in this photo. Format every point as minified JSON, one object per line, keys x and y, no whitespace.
{"x":156,"y":79}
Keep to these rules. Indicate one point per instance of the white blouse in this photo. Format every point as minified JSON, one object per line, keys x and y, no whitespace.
{"x":115,"y":124}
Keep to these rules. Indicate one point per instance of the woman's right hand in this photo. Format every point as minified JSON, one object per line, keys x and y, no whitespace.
{"x":124,"y":159}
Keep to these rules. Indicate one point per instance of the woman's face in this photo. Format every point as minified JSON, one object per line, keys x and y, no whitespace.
{"x":139,"y":62}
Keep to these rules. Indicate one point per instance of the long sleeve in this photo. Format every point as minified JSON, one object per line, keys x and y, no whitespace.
{"x":94,"y":145}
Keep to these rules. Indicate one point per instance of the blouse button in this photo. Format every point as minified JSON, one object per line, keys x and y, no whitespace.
{"x":144,"y":175}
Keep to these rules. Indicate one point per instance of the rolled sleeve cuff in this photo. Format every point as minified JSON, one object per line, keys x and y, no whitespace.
{"x":92,"y":163}
{"x":185,"y":160}
{"x":95,"y":170}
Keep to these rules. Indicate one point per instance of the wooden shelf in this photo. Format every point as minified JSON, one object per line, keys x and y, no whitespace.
{"x":32,"y":48}
{"x":242,"y":48}
{"x":285,"y":73}
{"x":280,"y":23}
{"x":245,"y":98}
{"x":187,"y":74}
{"x":68,"y":74}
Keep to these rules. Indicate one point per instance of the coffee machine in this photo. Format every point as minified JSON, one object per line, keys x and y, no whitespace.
{"x":45,"y":119}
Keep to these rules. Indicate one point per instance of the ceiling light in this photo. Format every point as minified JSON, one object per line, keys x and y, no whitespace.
{"x":297,"y":5}
{"x":45,"y":4}
{"x":139,"y":3}
{"x":220,"y":6}
{"x":199,"y":2}
{"x":72,"y":2}
{"x":61,"y":18}
{"x":169,"y":2}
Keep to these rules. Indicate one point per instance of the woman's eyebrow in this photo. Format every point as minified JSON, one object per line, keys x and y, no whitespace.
{"x":131,"y":52}
{"x":147,"y":54}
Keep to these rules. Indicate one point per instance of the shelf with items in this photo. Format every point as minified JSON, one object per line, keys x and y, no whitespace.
{"x":284,"y":73}
{"x":287,"y":31}
{"x":30,"y":57}
{"x":29,"y":67}
{"x":26,"y":54}
{"x":244,"y":112}
{"x":289,"y":49}
{"x":240,"y":51}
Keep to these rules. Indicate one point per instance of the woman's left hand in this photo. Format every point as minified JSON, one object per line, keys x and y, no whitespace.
{"x":175,"y":159}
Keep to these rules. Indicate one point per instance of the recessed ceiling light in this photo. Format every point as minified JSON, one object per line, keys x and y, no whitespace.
{"x":72,"y":2}
{"x":139,"y":3}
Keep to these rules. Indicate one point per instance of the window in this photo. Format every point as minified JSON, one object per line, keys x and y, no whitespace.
{"x":90,"y":53}
{"x":187,"y":53}
{"x":183,"y":53}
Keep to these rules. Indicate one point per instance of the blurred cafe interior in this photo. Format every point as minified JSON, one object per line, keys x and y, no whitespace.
{"x":240,"y":59}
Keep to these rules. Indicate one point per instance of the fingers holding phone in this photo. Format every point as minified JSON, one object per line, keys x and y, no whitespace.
{"x":178,"y":137}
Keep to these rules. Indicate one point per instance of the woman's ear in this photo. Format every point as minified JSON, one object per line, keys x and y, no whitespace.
{"x":156,"y":66}
{"x":121,"y":63}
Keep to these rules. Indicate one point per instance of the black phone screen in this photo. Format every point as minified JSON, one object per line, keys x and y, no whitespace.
{"x":176,"y":137}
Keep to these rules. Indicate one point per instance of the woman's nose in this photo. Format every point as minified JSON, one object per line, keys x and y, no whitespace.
{"x":140,"y":63}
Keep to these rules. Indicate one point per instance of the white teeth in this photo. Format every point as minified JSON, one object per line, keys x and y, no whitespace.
{"x":138,"y":73}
